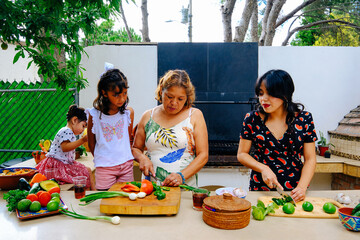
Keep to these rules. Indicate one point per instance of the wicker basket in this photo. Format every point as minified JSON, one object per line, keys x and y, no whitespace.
{"x":226,"y":212}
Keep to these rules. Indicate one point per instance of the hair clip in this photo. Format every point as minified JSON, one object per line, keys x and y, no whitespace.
{"x":107,"y":66}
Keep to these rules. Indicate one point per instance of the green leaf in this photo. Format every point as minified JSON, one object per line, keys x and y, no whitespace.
{"x":17,"y":56}
{"x":161,"y":173}
{"x":150,"y":128}
{"x":29,"y":64}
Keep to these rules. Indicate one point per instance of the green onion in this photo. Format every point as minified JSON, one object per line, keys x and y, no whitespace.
{"x":198,"y":190}
{"x":113,"y":220}
{"x":99,"y":195}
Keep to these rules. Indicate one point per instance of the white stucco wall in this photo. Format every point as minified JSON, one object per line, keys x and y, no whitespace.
{"x":10,"y":72}
{"x":326,"y":79}
{"x":137,"y":62}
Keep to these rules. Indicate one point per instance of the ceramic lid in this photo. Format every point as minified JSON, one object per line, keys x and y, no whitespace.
{"x":227,"y":203}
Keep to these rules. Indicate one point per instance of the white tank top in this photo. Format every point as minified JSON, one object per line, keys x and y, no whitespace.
{"x":112,"y":138}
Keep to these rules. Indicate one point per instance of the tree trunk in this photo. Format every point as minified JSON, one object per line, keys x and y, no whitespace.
{"x":125,"y":22}
{"x":226,"y":12}
{"x":240,"y":31}
{"x":145,"y":23}
{"x":273,"y":16}
{"x":269,"y":5}
{"x":254,"y":24}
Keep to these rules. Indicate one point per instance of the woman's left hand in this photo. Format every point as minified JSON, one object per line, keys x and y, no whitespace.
{"x":173,"y":180}
{"x":298,"y":194}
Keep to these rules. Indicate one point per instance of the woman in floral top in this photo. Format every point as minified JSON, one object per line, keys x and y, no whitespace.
{"x":280,"y":132}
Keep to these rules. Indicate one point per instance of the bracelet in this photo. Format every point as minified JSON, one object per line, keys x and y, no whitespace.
{"x":182,"y":177}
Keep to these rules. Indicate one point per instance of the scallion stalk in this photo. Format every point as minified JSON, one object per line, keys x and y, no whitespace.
{"x":99,"y":195}
{"x":113,"y":220}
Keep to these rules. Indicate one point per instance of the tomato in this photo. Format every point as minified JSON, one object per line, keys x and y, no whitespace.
{"x":329,"y":208}
{"x":307,"y":206}
{"x":288,"y":208}
{"x":44,"y":198}
{"x":39,"y":193}
{"x":146,"y":187}
{"x":32,"y":197}
{"x":54,"y":190}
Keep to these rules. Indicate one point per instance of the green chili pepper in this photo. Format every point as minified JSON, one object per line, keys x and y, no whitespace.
{"x":160,"y":195}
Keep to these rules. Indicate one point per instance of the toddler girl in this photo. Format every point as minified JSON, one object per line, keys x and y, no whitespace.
{"x":61,"y":155}
{"x":110,"y":125}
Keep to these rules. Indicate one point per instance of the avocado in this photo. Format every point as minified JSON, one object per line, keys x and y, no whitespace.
{"x":48,"y":184}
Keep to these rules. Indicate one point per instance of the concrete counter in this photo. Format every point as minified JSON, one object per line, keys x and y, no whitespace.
{"x":187,"y":224}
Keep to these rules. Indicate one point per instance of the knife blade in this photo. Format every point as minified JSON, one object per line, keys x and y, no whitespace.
{"x":285,"y":195}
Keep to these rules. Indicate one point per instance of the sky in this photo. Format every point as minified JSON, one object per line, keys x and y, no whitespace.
{"x":165,"y":20}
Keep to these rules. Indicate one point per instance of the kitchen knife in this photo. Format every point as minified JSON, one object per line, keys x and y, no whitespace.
{"x":285,"y":195}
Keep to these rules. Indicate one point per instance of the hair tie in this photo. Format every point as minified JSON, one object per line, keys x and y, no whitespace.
{"x":107,"y":66}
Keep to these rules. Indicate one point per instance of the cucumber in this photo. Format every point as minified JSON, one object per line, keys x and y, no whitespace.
{"x":48,"y":184}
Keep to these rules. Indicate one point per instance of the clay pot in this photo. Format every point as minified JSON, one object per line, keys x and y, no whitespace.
{"x":322,"y":150}
{"x":226,"y":211}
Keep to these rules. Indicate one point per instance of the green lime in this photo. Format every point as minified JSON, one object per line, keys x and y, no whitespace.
{"x":307,"y":206}
{"x":23,"y":205}
{"x":52,"y":206}
{"x":35,"y":206}
{"x":288,"y":208}
{"x":55,"y":194}
{"x":329,"y":208}
{"x":55,"y":199}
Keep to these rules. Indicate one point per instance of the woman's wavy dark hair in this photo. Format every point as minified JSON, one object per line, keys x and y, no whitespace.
{"x":279,"y":84}
{"x":75,"y":111}
{"x":108,"y":82}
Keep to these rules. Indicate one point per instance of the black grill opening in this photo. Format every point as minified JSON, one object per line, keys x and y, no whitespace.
{"x":223,"y":148}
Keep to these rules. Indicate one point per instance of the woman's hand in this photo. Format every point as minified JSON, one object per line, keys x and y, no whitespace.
{"x":298,"y":194}
{"x":146,"y":166}
{"x":270,"y":178}
{"x":173,"y":180}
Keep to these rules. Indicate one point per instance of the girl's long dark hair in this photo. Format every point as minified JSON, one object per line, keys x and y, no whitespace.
{"x":279,"y":84}
{"x":108,"y":82}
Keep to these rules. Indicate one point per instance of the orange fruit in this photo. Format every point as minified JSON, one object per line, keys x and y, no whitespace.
{"x":44,"y":198}
{"x":54,"y":190}
{"x":32,"y":197}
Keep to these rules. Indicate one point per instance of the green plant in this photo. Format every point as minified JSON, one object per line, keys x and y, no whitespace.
{"x":81,"y":150}
{"x":323,"y":142}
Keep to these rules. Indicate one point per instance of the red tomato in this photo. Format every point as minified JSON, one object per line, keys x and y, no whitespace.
{"x":32,"y":197}
{"x":39,"y":193}
{"x":53,"y":190}
{"x":146,"y":187}
{"x":44,"y":198}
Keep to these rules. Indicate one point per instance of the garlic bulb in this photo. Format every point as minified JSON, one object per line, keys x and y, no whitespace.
{"x":238,"y":192}
{"x":342,"y":198}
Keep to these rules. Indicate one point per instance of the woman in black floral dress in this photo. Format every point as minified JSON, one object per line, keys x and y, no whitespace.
{"x":280,"y":132}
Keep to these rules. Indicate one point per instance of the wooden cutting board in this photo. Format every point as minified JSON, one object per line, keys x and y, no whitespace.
{"x":149,"y":205}
{"x":318,"y":211}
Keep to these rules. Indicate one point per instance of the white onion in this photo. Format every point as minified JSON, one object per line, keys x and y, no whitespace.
{"x":132,"y":196}
{"x":115,"y":220}
{"x":141,"y":195}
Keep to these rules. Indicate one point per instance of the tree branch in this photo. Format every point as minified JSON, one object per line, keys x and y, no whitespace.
{"x":292,"y":13}
{"x":310,"y":25}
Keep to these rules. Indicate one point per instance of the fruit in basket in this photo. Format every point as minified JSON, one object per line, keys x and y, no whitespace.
{"x":32,"y":197}
{"x":35,"y":206}
{"x":52,"y":206}
{"x":23,"y":205}
{"x":44,"y":198}
{"x":47,"y":185}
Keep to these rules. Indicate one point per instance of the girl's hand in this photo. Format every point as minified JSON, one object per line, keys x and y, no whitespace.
{"x":298,"y":194}
{"x":173,"y":180}
{"x":270,"y":178}
{"x":85,"y":138}
{"x":146,"y":166}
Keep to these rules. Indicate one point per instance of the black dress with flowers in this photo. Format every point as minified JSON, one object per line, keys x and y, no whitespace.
{"x":283,"y":156}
